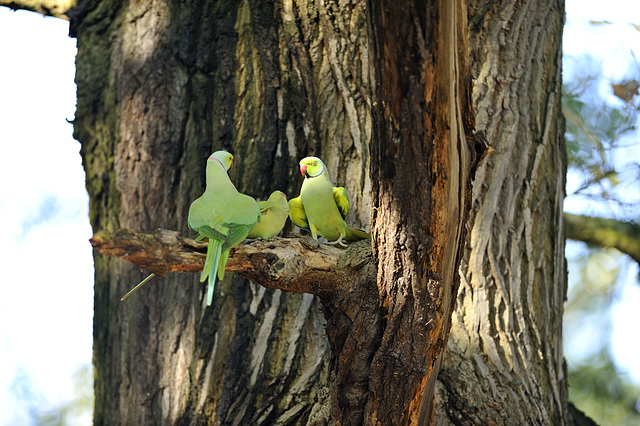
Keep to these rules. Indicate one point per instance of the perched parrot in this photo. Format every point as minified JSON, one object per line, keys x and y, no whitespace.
{"x":274,"y":213}
{"x":223,"y":215}
{"x":321,"y":207}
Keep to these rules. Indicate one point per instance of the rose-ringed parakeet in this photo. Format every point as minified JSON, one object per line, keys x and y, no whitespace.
{"x":321,"y":207}
{"x":274,"y":213}
{"x":222,"y":215}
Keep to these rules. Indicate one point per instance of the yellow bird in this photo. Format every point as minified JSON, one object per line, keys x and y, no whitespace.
{"x":274,"y":213}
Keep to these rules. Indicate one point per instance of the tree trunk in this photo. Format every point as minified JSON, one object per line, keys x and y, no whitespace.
{"x":504,"y":359}
{"x":159,"y":88}
{"x":421,"y":169}
{"x":162,"y":85}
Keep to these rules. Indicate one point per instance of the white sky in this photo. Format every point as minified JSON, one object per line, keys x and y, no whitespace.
{"x":46,"y":278}
{"x":46,"y":273}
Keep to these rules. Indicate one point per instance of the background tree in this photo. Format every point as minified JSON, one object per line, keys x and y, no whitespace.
{"x":602,"y":117}
{"x":158,"y":83}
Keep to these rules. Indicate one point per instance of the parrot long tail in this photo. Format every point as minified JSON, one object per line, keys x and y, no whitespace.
{"x":354,"y":234}
{"x":207,"y":262}
{"x":217,"y":249}
{"x":223,"y":264}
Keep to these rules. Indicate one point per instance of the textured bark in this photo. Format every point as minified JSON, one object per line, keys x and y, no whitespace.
{"x":421,"y":171}
{"x":163,"y":84}
{"x":160,"y":86}
{"x":504,"y":359}
{"x":624,"y":236}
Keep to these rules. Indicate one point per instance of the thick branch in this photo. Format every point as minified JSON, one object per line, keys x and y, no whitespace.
{"x":55,"y":8}
{"x":300,"y":265}
{"x":624,"y":236}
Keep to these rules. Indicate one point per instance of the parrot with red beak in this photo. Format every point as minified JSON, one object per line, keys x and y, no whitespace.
{"x":321,"y":207}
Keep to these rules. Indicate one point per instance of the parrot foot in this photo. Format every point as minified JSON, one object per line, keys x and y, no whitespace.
{"x":338,"y":242}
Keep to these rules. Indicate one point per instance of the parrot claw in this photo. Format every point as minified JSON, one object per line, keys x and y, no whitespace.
{"x":338,"y":242}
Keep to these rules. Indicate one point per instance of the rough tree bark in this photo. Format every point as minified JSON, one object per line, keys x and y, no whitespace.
{"x":162,"y":84}
{"x":421,"y":169}
{"x":299,"y":265}
{"x":391,"y":336}
{"x":504,"y":360}
{"x":160,"y":87}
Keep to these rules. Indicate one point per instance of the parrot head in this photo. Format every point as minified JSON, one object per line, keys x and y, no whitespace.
{"x":311,"y":167}
{"x":279,"y":198}
{"x":224,"y":158}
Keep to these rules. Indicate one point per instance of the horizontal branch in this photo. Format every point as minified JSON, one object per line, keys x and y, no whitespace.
{"x":55,"y":8}
{"x":298,"y":264}
{"x":624,"y":236}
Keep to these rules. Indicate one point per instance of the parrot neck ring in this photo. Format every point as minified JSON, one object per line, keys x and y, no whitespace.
{"x":307,"y":175}
{"x":219,"y":162}
{"x":312,"y":176}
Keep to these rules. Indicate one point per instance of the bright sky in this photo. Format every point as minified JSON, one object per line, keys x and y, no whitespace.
{"x":46,"y":279}
{"x":616,"y":50}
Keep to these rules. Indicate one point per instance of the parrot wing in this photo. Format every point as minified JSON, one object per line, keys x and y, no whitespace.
{"x":240,"y":209}
{"x":238,"y":233}
{"x":297,"y":214}
{"x":206,"y":231}
{"x":342,"y":200}
{"x":224,"y":216}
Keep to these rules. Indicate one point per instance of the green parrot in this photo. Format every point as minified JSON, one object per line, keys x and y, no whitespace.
{"x":274,"y":213}
{"x":222,"y":215}
{"x":321,"y":207}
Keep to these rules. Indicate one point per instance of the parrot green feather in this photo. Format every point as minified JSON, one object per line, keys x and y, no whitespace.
{"x":274,"y":212}
{"x":342,"y":200}
{"x":223,"y":215}
{"x":297,"y":214}
{"x":322,"y":207}
{"x":354,"y":235}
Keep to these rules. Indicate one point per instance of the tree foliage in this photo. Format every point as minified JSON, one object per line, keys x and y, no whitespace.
{"x":599,"y":134}
{"x":602,"y":143}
